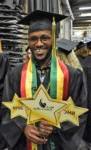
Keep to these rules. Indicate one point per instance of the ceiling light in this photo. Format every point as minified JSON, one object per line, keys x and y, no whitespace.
{"x":86,"y":20}
{"x":85,"y":14}
{"x":84,"y":8}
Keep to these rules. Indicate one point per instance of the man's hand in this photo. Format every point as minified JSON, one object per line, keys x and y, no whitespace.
{"x":33,"y":134}
{"x":45,"y":128}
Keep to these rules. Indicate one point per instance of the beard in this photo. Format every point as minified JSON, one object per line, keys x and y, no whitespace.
{"x":48,"y":55}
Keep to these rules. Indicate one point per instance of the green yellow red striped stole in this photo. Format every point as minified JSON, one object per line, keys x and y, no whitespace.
{"x":59,"y":81}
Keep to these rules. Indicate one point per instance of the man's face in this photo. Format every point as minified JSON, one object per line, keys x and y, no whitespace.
{"x":40,"y":42}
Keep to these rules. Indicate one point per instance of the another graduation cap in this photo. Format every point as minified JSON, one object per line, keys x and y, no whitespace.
{"x":66,"y":45}
{"x":80,"y":45}
{"x":39,"y":20}
{"x":89,"y":44}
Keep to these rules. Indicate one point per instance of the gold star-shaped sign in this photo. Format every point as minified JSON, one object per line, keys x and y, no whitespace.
{"x":16,"y":107}
{"x":72,"y":112}
{"x":32,"y":117}
{"x":43,"y":107}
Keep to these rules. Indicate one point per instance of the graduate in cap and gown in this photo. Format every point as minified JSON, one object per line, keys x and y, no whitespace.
{"x":25,"y":79}
{"x":87,"y":68}
{"x":85,"y":61}
{"x":66,"y":51}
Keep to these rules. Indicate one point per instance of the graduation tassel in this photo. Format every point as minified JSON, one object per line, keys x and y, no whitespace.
{"x":56,"y":74}
{"x":53,"y":73}
{"x":1,"y":46}
{"x":34,"y":146}
{"x":53,"y":37}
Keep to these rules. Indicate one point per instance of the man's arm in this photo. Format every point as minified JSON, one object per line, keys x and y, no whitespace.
{"x":11,"y":130}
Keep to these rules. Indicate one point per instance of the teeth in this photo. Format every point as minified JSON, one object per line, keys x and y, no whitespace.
{"x":38,"y":50}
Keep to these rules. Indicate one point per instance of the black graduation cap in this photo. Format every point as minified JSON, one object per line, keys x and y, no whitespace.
{"x":66,"y":45}
{"x":89,"y":44}
{"x":39,"y":15}
{"x":81,"y":44}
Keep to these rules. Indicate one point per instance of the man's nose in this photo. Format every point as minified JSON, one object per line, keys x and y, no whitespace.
{"x":39,"y":42}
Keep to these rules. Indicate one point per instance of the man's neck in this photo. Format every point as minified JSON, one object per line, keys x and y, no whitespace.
{"x":43,"y":64}
{"x":46,"y":63}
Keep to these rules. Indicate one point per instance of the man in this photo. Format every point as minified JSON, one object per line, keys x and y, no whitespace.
{"x":44,"y":64}
{"x":66,"y":52}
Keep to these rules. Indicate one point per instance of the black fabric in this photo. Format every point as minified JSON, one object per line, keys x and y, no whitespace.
{"x":89,"y":45}
{"x":3,"y":70}
{"x":81,"y":45}
{"x":68,"y":137}
{"x":41,"y":15}
{"x":86,"y":64}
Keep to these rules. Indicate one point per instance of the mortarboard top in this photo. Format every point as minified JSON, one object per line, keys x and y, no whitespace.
{"x":41,"y":15}
{"x":66,"y":45}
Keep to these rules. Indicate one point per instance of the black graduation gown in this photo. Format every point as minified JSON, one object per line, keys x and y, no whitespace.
{"x":66,"y":138}
{"x":3,"y":70}
{"x":86,"y":64}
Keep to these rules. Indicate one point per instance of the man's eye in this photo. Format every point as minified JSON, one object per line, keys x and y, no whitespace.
{"x":33,"y":38}
{"x":42,"y":38}
{"x":45,"y":38}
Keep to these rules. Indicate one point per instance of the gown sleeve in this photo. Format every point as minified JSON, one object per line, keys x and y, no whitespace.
{"x":11,"y":130}
{"x":4,"y":64}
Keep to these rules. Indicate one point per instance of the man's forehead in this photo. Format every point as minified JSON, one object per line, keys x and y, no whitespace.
{"x":41,"y":32}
